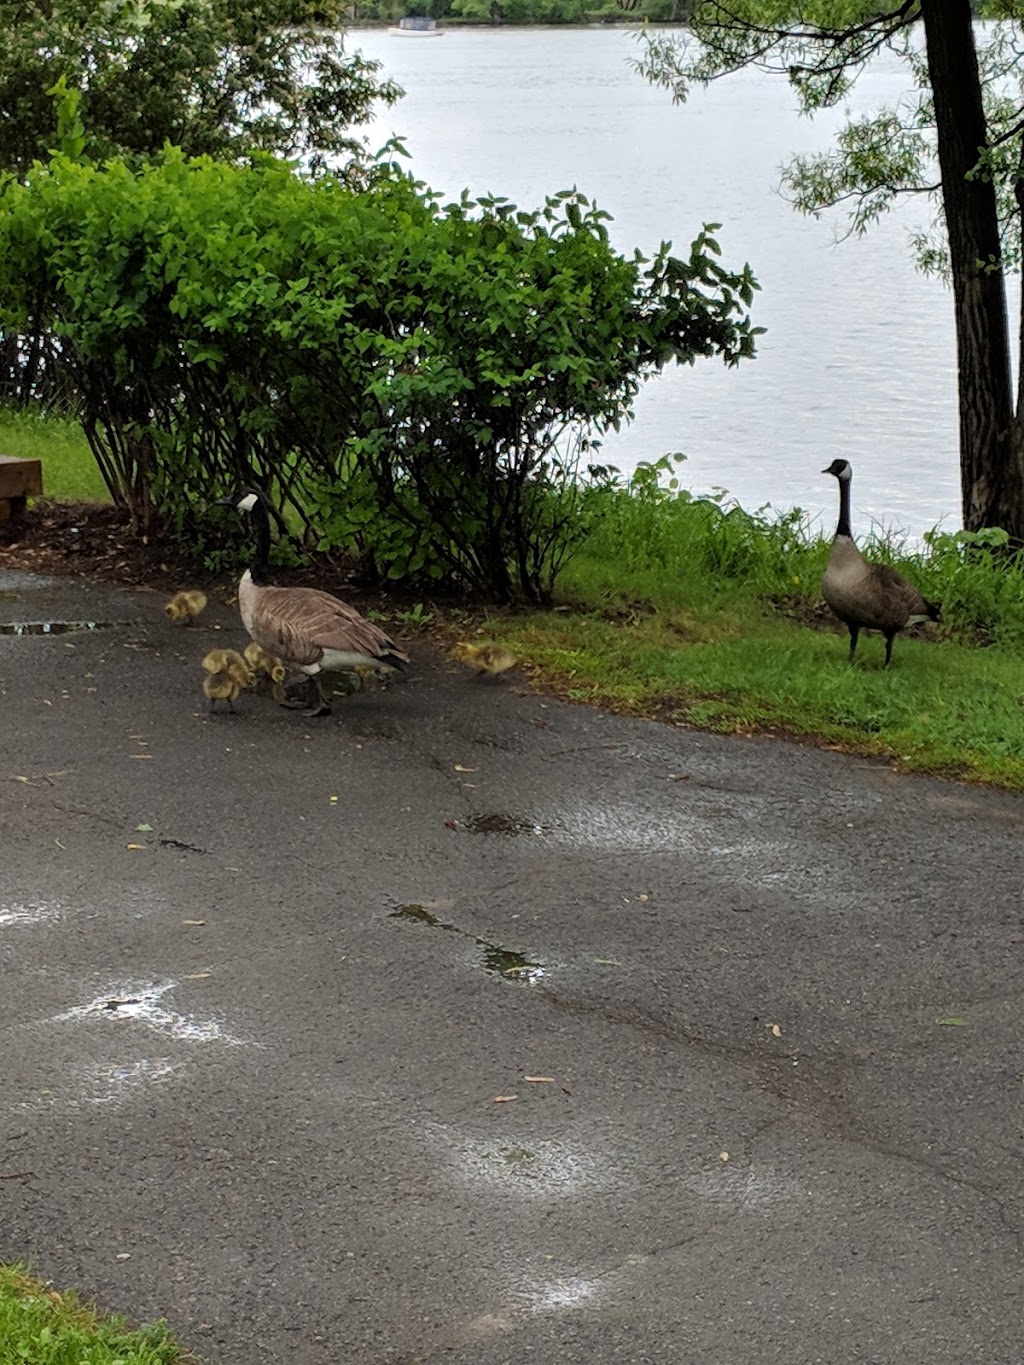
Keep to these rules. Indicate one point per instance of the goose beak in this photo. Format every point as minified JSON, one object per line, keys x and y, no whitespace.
{"x":223,"y":502}
{"x":826,"y":471}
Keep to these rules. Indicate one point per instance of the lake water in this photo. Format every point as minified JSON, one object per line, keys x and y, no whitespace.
{"x":859,"y":358}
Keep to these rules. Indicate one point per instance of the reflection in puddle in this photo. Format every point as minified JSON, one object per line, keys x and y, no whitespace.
{"x":496,"y":961}
{"x":560,"y":1294}
{"x":498,"y":823}
{"x":512,"y":966}
{"x":28,"y":912}
{"x":530,"y":1168}
{"x":143,"y":1003}
{"x":107,"y":1083}
{"x":422,"y":915}
{"x":51,"y":627}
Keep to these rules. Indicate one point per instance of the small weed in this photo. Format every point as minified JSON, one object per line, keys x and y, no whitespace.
{"x":415,"y":616}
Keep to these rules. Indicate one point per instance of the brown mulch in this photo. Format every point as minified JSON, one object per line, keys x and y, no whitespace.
{"x":95,"y":540}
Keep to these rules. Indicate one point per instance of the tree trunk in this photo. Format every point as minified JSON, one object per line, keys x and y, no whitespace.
{"x":991,"y":463}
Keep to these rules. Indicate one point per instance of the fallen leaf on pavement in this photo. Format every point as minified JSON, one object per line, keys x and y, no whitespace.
{"x":460,"y":769}
{"x":540,"y":1080}
{"x":723,"y":1156}
{"x":134,"y":845}
{"x":952,"y":1021}
{"x":195,"y":922}
{"x":196,"y":976}
{"x":776,"y":1031}
{"x":505,"y":1099}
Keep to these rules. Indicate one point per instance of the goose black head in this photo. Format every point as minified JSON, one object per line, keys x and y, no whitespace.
{"x":842,"y":469}
{"x":242,"y":500}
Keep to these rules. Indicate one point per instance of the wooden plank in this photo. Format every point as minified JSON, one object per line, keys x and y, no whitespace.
{"x":20,"y":478}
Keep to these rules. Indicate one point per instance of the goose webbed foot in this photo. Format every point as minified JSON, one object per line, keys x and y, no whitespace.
{"x":315,"y":703}
{"x":301,"y":696}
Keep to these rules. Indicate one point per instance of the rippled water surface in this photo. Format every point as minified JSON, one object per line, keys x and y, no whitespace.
{"x":859,"y":358}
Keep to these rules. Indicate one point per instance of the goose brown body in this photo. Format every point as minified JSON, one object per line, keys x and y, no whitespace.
{"x":867,"y":596}
{"x":304,"y":627}
{"x":311,"y":629}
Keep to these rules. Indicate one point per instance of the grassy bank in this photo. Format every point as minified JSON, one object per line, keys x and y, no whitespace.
{"x":69,"y":470}
{"x":703,"y":613}
{"x":39,"y":1326}
{"x":698,"y":611}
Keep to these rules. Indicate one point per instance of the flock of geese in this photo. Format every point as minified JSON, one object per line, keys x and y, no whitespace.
{"x":301,"y":630}
{"x":312,"y":632}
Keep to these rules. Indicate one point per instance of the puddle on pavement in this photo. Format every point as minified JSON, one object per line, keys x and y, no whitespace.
{"x":111,"y":1082}
{"x":526,"y":1166}
{"x":20,"y":628}
{"x":144,"y":1003}
{"x":421,"y":915}
{"x":560,"y":1294}
{"x":496,"y":961}
{"x":512,"y":966}
{"x":28,"y":912}
{"x":501,"y":823}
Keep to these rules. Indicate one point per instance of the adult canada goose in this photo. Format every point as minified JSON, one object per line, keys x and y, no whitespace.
{"x":186,"y":606}
{"x":867,"y":596}
{"x":304,"y":627}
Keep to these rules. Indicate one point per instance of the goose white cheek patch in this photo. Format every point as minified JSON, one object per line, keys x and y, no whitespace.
{"x":247,"y":503}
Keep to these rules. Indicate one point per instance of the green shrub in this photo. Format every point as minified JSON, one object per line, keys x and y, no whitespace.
{"x":415,"y":379}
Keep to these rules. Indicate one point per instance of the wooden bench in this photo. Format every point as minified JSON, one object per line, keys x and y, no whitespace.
{"x":19,"y":479}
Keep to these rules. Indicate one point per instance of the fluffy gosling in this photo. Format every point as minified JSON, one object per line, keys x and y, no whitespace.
{"x":227,"y":674}
{"x":186,"y":606}
{"x":261,"y":662}
{"x":488,"y":659}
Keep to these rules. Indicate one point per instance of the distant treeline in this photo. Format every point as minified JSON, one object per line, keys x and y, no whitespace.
{"x":523,"y":11}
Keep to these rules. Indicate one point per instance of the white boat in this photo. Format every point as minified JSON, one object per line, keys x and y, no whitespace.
{"x":416,"y":26}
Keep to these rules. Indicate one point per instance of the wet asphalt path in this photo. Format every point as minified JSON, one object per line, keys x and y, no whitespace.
{"x":264,"y":980}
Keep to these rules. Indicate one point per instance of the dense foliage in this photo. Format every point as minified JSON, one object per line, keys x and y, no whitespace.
{"x":418,"y":379}
{"x":214,"y":77}
{"x":957,"y":136}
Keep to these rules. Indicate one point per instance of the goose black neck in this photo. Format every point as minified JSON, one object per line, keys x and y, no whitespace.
{"x":843,"y":529}
{"x":261,"y":549}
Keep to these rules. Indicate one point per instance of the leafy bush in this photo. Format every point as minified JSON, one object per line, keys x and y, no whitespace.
{"x":415,"y":379}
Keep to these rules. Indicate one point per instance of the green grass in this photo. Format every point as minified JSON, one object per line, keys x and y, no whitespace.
{"x":698,"y":611}
{"x":39,"y":1326}
{"x":69,"y":470}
